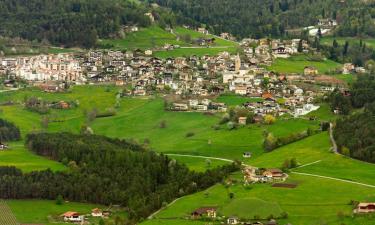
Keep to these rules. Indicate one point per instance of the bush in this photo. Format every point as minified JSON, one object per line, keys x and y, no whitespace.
{"x":190,"y":134}
{"x":231,"y":125}
{"x":269,"y":119}
{"x":108,"y":113}
{"x":59,"y":200}
{"x":163,"y":124}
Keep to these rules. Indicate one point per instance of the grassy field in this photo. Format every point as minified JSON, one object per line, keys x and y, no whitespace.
{"x":140,"y":119}
{"x":154,"y":36}
{"x":234,"y":100}
{"x":348,"y":78}
{"x":144,"y":121}
{"x":199,"y":164}
{"x":370,"y":42}
{"x":145,"y":38}
{"x":25,"y":160}
{"x":313,"y":201}
{"x":296,"y":64}
{"x":198,"y":51}
{"x":46,"y":212}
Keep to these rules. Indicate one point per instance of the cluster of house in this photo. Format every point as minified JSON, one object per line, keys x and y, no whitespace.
{"x":199,"y":105}
{"x":211,"y":213}
{"x":257,"y":83}
{"x":349,"y":68}
{"x":255,"y":175}
{"x":75,"y":217}
{"x":324,"y":26}
{"x":62,"y":67}
{"x":266,"y":49}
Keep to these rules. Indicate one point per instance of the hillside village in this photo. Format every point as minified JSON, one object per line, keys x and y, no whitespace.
{"x":193,"y":82}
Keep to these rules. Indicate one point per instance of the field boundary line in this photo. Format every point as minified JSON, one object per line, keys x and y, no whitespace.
{"x":333,"y":178}
{"x":309,"y":164}
{"x":202,"y":157}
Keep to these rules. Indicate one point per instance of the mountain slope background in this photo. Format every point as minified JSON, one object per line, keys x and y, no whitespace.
{"x":260,"y":18}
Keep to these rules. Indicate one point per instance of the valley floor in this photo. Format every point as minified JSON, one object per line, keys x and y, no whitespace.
{"x":326,"y":182}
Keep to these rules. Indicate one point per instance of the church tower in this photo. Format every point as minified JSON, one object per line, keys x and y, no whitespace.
{"x":237,"y":63}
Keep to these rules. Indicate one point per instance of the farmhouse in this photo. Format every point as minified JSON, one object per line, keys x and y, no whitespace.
{"x":233,"y":221}
{"x":246,"y":154}
{"x":242,"y":120}
{"x":72,"y":217}
{"x":365,"y":208}
{"x":202,"y":30}
{"x":273,"y":173}
{"x":3,"y":146}
{"x":204,"y":212}
{"x":310,"y":71}
{"x":96,"y":212}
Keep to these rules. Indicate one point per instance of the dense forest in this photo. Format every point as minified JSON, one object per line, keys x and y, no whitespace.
{"x":68,"y":22}
{"x":9,"y":131}
{"x":106,"y":171}
{"x":255,"y":18}
{"x":354,"y":134}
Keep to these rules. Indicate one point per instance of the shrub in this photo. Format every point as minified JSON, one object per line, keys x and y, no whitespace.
{"x":59,"y":200}
{"x":190,"y":134}
{"x":163,"y":124}
{"x":269,"y":119}
{"x":231,"y":125}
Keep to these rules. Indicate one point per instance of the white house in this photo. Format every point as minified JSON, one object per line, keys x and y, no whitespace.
{"x":72,"y":217}
{"x":233,"y":220}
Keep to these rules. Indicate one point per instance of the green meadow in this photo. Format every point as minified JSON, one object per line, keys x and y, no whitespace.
{"x":370,"y":42}
{"x":145,"y":38}
{"x":25,"y":160}
{"x":46,"y":212}
{"x":296,"y":64}
{"x":140,"y":119}
{"x":156,"y":37}
{"x":198,"y":51}
{"x":311,"y":202}
{"x":314,"y":201}
{"x":233,"y":100}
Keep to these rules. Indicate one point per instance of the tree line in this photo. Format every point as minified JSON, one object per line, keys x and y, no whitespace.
{"x":68,"y":22}
{"x":354,"y":133}
{"x":106,"y":171}
{"x":9,"y":131}
{"x":272,"y":18}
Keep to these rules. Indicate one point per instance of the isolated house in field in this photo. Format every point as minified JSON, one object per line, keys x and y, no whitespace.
{"x":3,"y":146}
{"x":233,"y":221}
{"x":272,"y":222}
{"x":273,"y":173}
{"x":310,"y":71}
{"x":246,"y":155}
{"x":202,"y":30}
{"x":204,"y":212}
{"x":242,"y":120}
{"x":348,"y":68}
{"x":73,"y":217}
{"x":365,"y":208}
{"x":96,"y":212}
